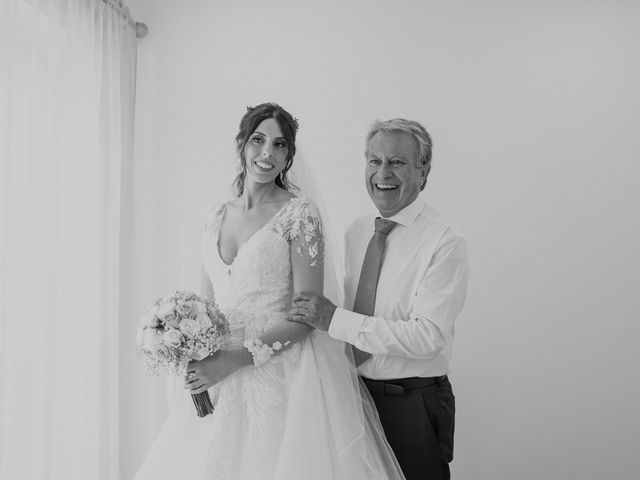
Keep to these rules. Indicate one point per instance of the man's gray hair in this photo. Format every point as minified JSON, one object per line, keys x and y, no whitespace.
{"x":412,"y":128}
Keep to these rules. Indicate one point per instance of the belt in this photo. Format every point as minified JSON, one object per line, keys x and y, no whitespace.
{"x":399,"y":385}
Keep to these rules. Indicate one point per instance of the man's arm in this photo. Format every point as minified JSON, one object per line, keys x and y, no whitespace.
{"x":438,"y":301}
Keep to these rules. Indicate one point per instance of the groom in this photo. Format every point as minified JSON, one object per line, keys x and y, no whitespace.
{"x":405,"y":284}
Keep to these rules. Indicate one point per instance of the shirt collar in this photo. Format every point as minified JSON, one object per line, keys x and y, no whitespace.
{"x":408,"y":214}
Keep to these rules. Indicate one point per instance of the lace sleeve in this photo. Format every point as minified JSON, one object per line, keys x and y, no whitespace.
{"x":303,"y":230}
{"x":212,"y":220}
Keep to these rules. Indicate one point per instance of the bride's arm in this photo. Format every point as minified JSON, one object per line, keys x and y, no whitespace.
{"x":306,"y":250}
{"x":308,"y":274}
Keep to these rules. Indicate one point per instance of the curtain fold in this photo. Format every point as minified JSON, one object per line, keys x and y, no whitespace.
{"x":67,"y":78}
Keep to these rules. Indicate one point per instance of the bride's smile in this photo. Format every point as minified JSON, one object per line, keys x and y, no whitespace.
{"x":266,"y":152}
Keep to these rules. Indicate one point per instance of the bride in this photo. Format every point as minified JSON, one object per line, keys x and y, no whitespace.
{"x":288,"y":404}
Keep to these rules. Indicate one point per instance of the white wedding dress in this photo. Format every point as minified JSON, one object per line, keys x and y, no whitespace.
{"x":298,"y":416}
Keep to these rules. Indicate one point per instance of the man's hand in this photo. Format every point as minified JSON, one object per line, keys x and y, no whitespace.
{"x":203,"y":374}
{"x":312,"y":309}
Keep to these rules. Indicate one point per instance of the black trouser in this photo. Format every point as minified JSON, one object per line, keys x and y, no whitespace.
{"x":417,"y":415}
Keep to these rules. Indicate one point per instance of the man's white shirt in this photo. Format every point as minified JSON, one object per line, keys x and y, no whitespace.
{"x":421,"y":290}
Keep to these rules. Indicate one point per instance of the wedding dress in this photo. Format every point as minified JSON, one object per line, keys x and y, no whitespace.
{"x":298,"y":416}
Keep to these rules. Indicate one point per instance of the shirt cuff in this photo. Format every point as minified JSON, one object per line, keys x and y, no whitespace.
{"x":346,"y":325}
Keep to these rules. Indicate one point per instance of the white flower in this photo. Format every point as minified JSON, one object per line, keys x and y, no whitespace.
{"x":173,"y":321}
{"x":189,"y":327}
{"x":204,"y":321}
{"x":164,"y":354}
{"x":276,"y":345}
{"x":186,"y":295}
{"x":184,"y":309}
{"x":166,"y":311}
{"x":260,"y":352}
{"x":149,"y":319}
{"x":201,"y":353}
{"x":313,"y":250}
{"x":152,"y":339}
{"x":172,"y":338}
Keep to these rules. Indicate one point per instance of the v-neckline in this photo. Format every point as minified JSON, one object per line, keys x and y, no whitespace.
{"x":240,"y":247}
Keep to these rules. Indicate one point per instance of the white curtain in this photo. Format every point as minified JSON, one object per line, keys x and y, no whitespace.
{"x":67,"y":75}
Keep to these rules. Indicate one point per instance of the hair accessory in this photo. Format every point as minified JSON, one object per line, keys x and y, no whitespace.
{"x":249,"y":108}
{"x":296,"y":122}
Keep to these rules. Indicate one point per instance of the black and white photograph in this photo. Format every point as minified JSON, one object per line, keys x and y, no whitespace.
{"x":330,"y":240}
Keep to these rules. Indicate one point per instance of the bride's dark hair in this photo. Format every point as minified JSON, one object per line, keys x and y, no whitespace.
{"x":250,"y":121}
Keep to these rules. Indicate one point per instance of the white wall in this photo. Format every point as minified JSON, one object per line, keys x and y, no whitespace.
{"x":534,"y":108}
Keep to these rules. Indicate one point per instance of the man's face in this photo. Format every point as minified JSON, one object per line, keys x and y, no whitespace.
{"x":393,"y":175}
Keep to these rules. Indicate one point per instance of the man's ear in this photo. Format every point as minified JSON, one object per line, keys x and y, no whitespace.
{"x":424,"y":173}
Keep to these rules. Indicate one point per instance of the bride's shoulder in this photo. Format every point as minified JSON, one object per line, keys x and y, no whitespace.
{"x":302,"y":207}
{"x":214,"y":214}
{"x":300,"y":215}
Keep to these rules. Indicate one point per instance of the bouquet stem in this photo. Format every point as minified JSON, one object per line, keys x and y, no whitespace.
{"x":203,"y":403}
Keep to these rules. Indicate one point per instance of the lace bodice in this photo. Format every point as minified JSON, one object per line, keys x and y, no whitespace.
{"x":259,"y":281}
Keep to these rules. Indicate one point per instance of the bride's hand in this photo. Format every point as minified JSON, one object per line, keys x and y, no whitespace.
{"x":203,"y":374}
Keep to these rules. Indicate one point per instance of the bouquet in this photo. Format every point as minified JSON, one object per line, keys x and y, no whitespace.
{"x":179,"y":328}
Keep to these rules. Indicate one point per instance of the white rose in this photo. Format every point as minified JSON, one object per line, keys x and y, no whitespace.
{"x":140,"y":337}
{"x":201,"y":353}
{"x":189,"y":327}
{"x":204,"y":321}
{"x":152,"y":339}
{"x":166,"y":310}
{"x":164,"y":354}
{"x":184,"y":309}
{"x":149,"y":319}
{"x":174,"y":321}
{"x":186,"y":295}
{"x":172,"y":338}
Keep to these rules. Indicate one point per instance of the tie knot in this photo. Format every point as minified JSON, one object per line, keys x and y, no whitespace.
{"x":384,"y":226}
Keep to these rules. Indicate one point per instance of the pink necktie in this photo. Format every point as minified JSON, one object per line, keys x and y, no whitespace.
{"x":365,"y":300}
